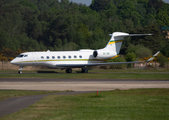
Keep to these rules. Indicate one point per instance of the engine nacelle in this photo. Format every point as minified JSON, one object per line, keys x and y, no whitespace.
{"x":103,"y":54}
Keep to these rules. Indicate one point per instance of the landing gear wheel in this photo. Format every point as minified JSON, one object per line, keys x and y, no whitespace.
{"x":20,"y":72}
{"x":68,"y":70}
{"x":84,"y":70}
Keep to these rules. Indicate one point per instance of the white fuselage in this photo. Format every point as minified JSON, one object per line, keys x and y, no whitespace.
{"x":74,"y":59}
{"x":52,"y":59}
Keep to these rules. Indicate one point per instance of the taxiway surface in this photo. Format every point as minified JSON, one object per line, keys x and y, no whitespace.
{"x":78,"y":84}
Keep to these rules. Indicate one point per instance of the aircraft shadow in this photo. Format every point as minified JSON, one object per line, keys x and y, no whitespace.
{"x":47,"y":72}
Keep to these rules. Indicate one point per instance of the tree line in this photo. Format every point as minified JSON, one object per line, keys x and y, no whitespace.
{"x":36,"y":25}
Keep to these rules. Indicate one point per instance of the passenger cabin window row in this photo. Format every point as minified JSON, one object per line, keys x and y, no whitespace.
{"x":58,"y":57}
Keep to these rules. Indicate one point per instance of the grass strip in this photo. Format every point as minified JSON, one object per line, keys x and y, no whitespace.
{"x":135,"y":104}
{"x":5,"y":94}
{"x":159,"y":76}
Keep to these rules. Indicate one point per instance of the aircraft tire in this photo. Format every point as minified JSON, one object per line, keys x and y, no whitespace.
{"x":20,"y":72}
{"x":68,"y":70}
{"x":84,"y":71}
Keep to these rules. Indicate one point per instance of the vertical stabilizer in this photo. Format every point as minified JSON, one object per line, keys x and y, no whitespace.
{"x":116,"y":40}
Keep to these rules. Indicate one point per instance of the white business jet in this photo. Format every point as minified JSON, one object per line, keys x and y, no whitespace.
{"x":75,"y":59}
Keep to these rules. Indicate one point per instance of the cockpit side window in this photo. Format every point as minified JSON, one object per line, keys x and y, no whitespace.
{"x":20,"y":55}
{"x":25,"y":55}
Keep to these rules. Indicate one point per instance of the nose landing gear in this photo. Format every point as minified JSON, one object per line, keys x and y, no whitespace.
{"x":20,"y":70}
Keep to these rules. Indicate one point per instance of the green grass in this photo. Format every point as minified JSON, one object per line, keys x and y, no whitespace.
{"x":138,"y":104}
{"x":5,"y":94}
{"x":93,"y":74}
{"x":90,"y":71}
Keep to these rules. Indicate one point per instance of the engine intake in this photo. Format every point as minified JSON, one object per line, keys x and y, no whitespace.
{"x":103,"y":54}
{"x":95,"y":53}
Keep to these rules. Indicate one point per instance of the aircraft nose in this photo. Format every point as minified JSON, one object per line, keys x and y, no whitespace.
{"x":13,"y":61}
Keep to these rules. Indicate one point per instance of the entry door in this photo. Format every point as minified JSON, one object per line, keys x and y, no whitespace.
{"x":35,"y":58}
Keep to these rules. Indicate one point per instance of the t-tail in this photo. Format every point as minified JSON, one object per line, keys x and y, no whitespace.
{"x":113,"y":47}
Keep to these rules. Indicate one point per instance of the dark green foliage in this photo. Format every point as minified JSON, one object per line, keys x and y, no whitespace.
{"x":154,"y":42}
{"x":130,"y":57}
{"x":139,"y":50}
{"x":118,"y":59}
{"x":162,"y":60}
{"x":165,"y":50}
{"x":99,"y":5}
{"x":49,"y":24}
{"x":157,"y":4}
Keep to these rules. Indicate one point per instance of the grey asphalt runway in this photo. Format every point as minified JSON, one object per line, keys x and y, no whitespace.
{"x":77,"y":85}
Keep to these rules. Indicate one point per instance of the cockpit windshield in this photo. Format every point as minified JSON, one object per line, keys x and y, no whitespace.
{"x":20,"y":55}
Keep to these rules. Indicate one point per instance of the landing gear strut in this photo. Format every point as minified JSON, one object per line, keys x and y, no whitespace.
{"x":20,"y":70}
{"x":69,"y":70}
{"x":84,"y":70}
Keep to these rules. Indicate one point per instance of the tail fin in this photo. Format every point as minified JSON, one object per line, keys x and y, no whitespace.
{"x":116,"y":40}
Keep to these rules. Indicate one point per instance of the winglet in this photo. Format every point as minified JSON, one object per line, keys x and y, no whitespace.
{"x":153,"y":57}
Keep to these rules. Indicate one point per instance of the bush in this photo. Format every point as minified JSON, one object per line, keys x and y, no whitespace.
{"x":162,"y":60}
{"x":130,"y":57}
{"x":139,"y":50}
{"x":142,"y":51}
{"x":120,"y":66}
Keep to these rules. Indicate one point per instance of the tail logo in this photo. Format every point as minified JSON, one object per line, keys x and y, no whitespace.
{"x":115,"y":41}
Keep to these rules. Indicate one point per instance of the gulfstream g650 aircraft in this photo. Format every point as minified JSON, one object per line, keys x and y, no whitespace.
{"x":75,"y":59}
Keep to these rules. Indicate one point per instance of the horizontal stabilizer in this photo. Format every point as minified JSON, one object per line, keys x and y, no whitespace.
{"x":121,"y":34}
{"x":152,"y":58}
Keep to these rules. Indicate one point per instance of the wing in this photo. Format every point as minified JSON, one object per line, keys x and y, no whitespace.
{"x":93,"y":64}
{"x":102,"y":64}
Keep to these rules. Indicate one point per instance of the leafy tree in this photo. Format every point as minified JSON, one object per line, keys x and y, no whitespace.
{"x":163,"y":18}
{"x":157,"y":4}
{"x":47,"y":24}
{"x":118,"y":59}
{"x":154,"y":42}
{"x":99,"y":5}
{"x":27,"y":3}
{"x":165,"y":50}
{"x":130,"y":57}
{"x":139,"y":50}
{"x":142,"y":51}
{"x":3,"y":39}
{"x":162,"y":60}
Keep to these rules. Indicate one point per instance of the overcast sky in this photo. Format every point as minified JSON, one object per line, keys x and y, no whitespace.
{"x":88,"y":2}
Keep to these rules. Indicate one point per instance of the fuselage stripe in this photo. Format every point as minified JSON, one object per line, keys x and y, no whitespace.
{"x":113,"y":41}
{"x":64,"y":60}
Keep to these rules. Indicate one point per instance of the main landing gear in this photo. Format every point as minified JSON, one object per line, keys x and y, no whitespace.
{"x":84,"y":70}
{"x":20,"y":70}
{"x":69,"y":70}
